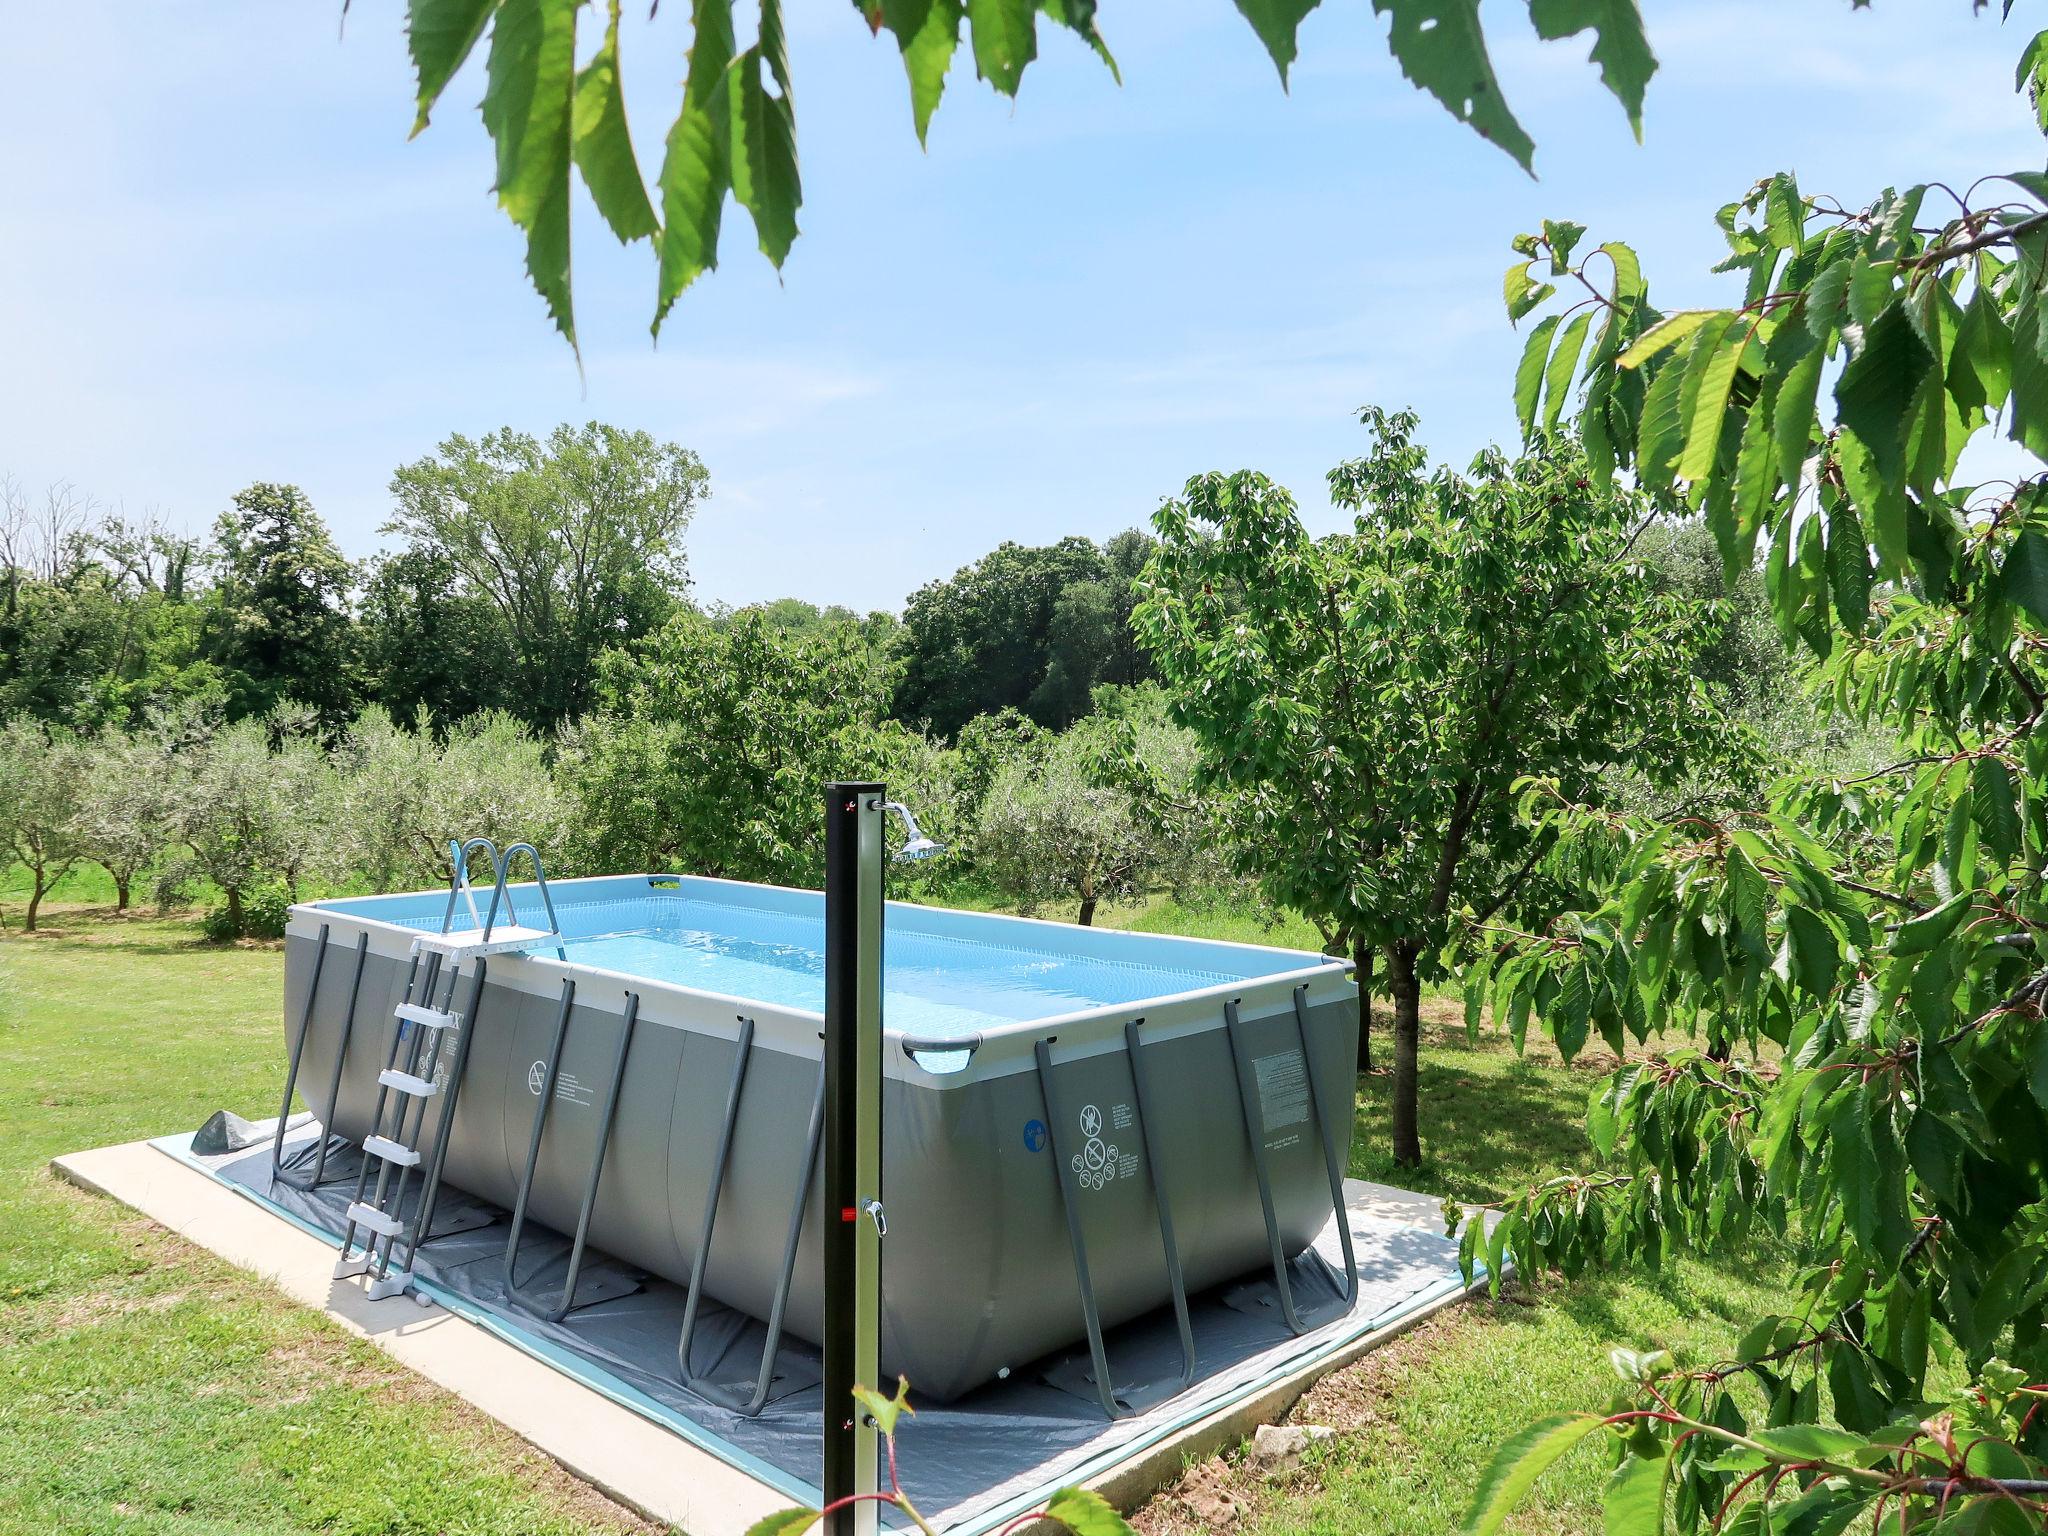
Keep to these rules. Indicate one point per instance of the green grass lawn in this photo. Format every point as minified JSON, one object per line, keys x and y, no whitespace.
{"x":147,"y":1387}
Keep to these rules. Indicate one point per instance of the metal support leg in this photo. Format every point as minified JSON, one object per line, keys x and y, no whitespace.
{"x":279,"y":1174}
{"x":695,"y":1295}
{"x":1157,"y":1164}
{"x":1255,"y":1128}
{"x":1333,"y":1156}
{"x":765,"y":1377}
{"x":1070,"y":1202}
{"x":554,"y":1309}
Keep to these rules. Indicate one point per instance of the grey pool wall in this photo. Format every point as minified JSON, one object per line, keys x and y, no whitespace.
{"x":978,"y":1270}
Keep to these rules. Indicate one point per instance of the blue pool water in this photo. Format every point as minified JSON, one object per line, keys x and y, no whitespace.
{"x":932,"y":986}
{"x":945,"y":973}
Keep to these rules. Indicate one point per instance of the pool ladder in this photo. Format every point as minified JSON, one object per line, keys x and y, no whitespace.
{"x":426,"y":1060}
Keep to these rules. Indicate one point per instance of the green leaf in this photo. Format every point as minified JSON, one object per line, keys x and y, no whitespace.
{"x":1563,"y":236}
{"x":1277,"y":22}
{"x":2023,"y":581}
{"x":1621,"y":50}
{"x":786,"y":1522}
{"x":1522,"y":292}
{"x":1810,"y":1442}
{"x":1875,"y":393}
{"x":1628,"y":274}
{"x":885,"y":1410}
{"x":696,"y":170}
{"x":1441,"y":49}
{"x":1848,"y":565}
{"x":527,"y":108}
{"x":1980,"y":364}
{"x":2037,"y":1064}
{"x":1518,"y":1463}
{"x":1816,"y":952}
{"x":1086,"y":1513}
{"x":1668,"y":332}
{"x":1994,"y":802}
{"x":1932,"y":928}
{"x":1005,"y":38}
{"x":1633,"y":1504}
{"x":1529,"y":373}
{"x":928,"y":35}
{"x":1661,"y":433}
{"x":440,"y":34}
{"x":1716,"y":356}
{"x":1564,"y":362}
{"x":764,"y":173}
{"x":1792,"y":420}
{"x":603,"y":148}
{"x":1824,"y":298}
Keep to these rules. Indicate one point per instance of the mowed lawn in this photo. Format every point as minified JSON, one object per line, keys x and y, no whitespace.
{"x":145,"y":1386}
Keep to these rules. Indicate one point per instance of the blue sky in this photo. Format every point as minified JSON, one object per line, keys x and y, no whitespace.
{"x":221,"y":261}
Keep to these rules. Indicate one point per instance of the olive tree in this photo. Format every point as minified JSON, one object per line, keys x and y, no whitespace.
{"x":127,"y":805}
{"x":404,"y":794}
{"x":1369,"y":699}
{"x":1051,"y":831}
{"x":249,"y":812}
{"x":41,"y":773}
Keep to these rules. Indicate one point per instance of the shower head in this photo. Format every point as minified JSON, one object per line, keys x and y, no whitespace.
{"x":915,"y":844}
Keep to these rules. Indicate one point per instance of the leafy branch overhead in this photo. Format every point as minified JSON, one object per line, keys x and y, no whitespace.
{"x":735,"y":128}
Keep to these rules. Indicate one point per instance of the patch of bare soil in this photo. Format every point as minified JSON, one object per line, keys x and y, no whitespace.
{"x":1223,"y":1492}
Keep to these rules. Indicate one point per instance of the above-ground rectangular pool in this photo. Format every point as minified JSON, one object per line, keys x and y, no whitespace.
{"x":1070,"y":1114}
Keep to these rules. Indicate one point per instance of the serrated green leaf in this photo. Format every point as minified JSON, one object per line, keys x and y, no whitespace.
{"x":1810,"y":1442}
{"x":1521,"y":292}
{"x":1848,"y":565}
{"x":1661,"y":432}
{"x":1441,"y":49}
{"x":1716,"y":357}
{"x":1628,"y":274}
{"x":1086,"y":1513}
{"x":927,"y":34}
{"x":1880,"y":502}
{"x":1564,"y":362}
{"x":1929,"y":929}
{"x":603,"y":148}
{"x":1522,"y":1459}
{"x":1980,"y":364}
{"x":1563,"y":237}
{"x":696,"y":171}
{"x":1622,"y":50}
{"x":1529,"y":373}
{"x":527,"y":108}
{"x":1668,"y":332}
{"x":1994,"y":804}
{"x":1874,"y":395}
{"x":1004,"y":34}
{"x":885,"y":1410}
{"x":1793,"y":415}
{"x":440,"y":35}
{"x":763,"y":138}
{"x":1823,"y":307}
{"x":1277,"y":22}
{"x":1633,"y":1502}
{"x":2023,"y":580}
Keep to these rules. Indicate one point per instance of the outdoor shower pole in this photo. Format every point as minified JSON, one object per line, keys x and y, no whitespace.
{"x":853,"y":1146}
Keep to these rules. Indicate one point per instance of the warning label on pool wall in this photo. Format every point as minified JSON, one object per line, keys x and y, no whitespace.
{"x":1100,"y":1162}
{"x":1283,"y":1095}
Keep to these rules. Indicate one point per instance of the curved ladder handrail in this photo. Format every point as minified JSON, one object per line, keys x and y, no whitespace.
{"x":458,"y":879}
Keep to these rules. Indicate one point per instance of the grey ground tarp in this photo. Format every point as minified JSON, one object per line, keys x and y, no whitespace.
{"x":970,"y":1464}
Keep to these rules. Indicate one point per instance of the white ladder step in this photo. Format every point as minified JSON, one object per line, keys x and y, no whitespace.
{"x":430,"y":1018}
{"x":391,"y":1151}
{"x":369,"y":1216}
{"x":406,"y":1083}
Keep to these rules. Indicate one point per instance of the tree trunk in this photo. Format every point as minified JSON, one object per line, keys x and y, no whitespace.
{"x":1087,"y":917}
{"x":1361,"y":962}
{"x":120,"y":896}
{"x":35,"y":902}
{"x":1407,"y":994}
{"x":235,"y":910}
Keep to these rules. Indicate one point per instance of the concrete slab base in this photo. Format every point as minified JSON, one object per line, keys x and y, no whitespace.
{"x":628,"y":1457}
